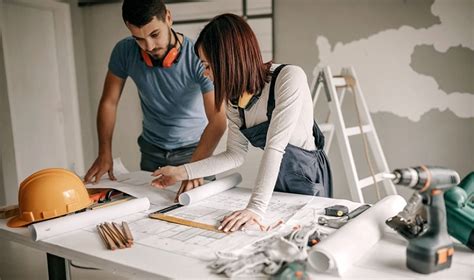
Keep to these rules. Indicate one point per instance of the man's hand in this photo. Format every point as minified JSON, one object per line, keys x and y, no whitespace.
{"x":168,"y":175}
{"x":236,"y":220}
{"x":102,"y":165}
{"x":188,"y":185}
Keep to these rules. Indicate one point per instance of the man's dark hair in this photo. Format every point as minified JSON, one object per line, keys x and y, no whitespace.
{"x":141,"y":12}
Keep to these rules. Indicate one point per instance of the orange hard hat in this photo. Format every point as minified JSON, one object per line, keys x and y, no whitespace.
{"x":47,"y":194}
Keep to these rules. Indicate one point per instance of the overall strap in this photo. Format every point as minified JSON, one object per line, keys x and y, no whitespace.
{"x":242,"y":118}
{"x":271,"y":98}
{"x":271,"y":94}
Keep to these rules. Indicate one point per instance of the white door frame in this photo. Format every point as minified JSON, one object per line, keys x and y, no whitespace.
{"x":68,"y":89}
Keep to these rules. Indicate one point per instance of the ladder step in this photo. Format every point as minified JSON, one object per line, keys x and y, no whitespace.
{"x":370,"y":181}
{"x":325,"y":127}
{"x":356,"y":130}
{"x":339,"y":81}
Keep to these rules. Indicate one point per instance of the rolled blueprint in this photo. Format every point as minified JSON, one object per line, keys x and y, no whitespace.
{"x":209,"y":189}
{"x":349,"y":243}
{"x":77,"y":221}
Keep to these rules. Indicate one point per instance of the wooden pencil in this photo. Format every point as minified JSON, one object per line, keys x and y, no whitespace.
{"x":126,"y":230}
{"x":110,"y":242}
{"x":113,"y":236}
{"x":107,"y":245}
{"x":120,"y":232}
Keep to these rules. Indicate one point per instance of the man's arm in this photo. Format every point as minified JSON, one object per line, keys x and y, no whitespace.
{"x":214,"y":130}
{"x":106,"y":117}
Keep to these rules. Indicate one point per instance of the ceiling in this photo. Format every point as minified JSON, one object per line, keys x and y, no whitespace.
{"x":99,"y":2}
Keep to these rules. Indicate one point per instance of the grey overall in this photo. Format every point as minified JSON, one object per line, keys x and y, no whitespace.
{"x":301,"y":171}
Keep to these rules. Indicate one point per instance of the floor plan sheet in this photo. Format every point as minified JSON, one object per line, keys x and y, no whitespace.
{"x":203,"y":244}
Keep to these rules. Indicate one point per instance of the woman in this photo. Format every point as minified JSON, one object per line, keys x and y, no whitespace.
{"x":269,"y":106}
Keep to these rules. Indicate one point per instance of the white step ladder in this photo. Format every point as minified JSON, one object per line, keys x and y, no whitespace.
{"x":335,"y":88}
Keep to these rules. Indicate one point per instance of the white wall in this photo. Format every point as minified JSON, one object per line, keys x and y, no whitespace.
{"x":86,"y":111}
{"x":7,"y":172}
{"x":103,"y":28}
{"x":414,"y":61}
{"x":40,"y":122}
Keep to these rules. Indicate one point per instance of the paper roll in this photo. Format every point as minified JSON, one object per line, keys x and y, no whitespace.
{"x":349,"y":243}
{"x":73,"y":222}
{"x":209,"y":189}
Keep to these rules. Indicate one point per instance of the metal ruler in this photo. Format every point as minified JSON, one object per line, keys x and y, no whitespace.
{"x":183,"y":222}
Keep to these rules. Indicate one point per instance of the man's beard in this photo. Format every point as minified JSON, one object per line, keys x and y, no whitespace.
{"x":155,"y":55}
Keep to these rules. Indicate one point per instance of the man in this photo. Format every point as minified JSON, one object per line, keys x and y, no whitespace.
{"x":172,"y":89}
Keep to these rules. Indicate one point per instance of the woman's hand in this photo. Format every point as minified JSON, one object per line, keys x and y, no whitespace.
{"x":168,"y":175}
{"x":238,"y":219}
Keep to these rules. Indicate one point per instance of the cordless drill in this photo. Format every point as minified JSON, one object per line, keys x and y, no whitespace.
{"x":430,"y":248}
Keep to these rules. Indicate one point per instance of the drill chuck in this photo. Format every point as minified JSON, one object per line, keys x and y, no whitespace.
{"x":425,"y":177}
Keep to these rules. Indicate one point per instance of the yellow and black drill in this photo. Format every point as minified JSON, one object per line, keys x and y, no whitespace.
{"x":423,"y":221}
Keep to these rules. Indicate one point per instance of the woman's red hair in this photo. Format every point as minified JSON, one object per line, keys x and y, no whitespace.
{"x":234,"y":56}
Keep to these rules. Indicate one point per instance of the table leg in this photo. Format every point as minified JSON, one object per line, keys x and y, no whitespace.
{"x":58,"y":268}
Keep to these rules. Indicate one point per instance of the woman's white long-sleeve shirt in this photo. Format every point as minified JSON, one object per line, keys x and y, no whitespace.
{"x":291,"y":122}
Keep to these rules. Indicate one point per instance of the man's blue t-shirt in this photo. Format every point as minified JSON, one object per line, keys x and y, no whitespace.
{"x":171,"y":100}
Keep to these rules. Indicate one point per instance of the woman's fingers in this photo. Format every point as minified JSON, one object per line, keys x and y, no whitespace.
{"x":158,"y":182}
{"x":240,"y":222}
{"x":238,"y":219}
{"x":158,"y":172}
{"x":229,"y":221}
{"x":165,"y":176}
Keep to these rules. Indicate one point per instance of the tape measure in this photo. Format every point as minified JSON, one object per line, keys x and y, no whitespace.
{"x":336,"y":210}
{"x":184,"y":222}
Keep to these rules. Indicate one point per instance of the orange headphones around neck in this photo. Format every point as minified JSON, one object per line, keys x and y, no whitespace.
{"x":171,"y":56}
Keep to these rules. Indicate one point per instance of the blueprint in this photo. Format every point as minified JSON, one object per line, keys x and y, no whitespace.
{"x":138,"y":184}
{"x":196,"y":242}
{"x":204,"y":244}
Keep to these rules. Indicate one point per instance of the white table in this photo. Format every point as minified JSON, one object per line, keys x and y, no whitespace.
{"x":87,"y":248}
{"x":385,"y":260}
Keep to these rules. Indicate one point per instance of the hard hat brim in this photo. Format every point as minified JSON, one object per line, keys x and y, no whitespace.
{"x":17,"y":222}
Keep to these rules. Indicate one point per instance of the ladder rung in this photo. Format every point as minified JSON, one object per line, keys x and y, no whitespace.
{"x":356,"y":130}
{"x":370,"y":181}
{"x":325,"y":127}
{"x":339,"y":81}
